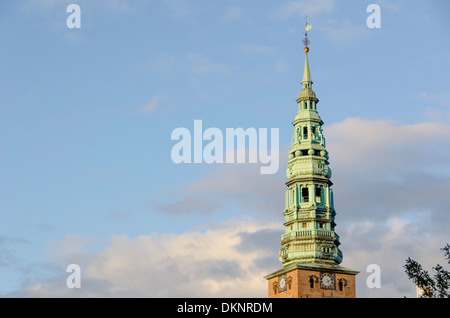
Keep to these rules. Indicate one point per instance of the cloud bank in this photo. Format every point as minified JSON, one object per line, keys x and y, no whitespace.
{"x":391,"y":184}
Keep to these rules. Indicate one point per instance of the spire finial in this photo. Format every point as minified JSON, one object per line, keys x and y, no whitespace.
{"x":306,"y":82}
{"x":307,"y":28}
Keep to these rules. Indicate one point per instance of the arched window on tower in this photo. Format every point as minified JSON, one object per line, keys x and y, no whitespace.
{"x":305,"y":195}
{"x":313,"y":279}
{"x":319,"y":194}
{"x":305,"y":132}
{"x":342,"y":283}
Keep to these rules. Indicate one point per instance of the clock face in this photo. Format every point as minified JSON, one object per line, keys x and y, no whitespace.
{"x":327,"y":281}
{"x":282,"y":283}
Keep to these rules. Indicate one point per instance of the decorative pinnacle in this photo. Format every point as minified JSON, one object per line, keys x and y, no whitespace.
{"x":306,"y":41}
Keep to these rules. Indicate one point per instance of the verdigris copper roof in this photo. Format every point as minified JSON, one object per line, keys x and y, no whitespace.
{"x":307,"y":94}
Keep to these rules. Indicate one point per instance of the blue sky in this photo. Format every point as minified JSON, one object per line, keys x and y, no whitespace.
{"x":87,"y":116}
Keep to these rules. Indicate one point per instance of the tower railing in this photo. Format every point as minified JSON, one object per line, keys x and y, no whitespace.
{"x":315,"y":233}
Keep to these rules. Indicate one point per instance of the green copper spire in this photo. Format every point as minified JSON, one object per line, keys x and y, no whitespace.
{"x":309,"y":246}
{"x":309,"y":210}
{"x":306,"y":82}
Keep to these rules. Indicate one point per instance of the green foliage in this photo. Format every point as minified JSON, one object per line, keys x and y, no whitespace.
{"x":433,"y":287}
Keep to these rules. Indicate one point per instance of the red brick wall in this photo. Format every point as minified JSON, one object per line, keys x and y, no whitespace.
{"x":299,"y":286}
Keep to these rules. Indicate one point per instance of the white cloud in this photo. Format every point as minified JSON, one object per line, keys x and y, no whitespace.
{"x":230,"y":188}
{"x":232,"y":13}
{"x":390,"y":169}
{"x":441,"y":99}
{"x":397,"y":165}
{"x":187,"y":207}
{"x":389,"y":243}
{"x":437,"y":106}
{"x":391,"y":185}
{"x":8,"y":256}
{"x":212,"y":263}
{"x":390,"y":182}
{"x":151,"y":105}
{"x":228,"y":259}
{"x":381,"y":145}
{"x":72,"y":249}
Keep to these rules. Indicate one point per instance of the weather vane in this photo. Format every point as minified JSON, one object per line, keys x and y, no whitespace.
{"x":307,"y":28}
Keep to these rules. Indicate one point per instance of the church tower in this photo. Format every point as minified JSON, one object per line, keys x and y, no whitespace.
{"x":310,"y":251}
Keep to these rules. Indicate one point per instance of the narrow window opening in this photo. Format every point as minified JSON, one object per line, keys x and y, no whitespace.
{"x":319,"y":195}
{"x":341,"y":286}
{"x":305,"y":195}
{"x":311,"y":282}
{"x":305,"y":132}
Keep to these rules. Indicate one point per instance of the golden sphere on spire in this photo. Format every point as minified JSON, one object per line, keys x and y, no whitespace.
{"x":306,"y":49}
